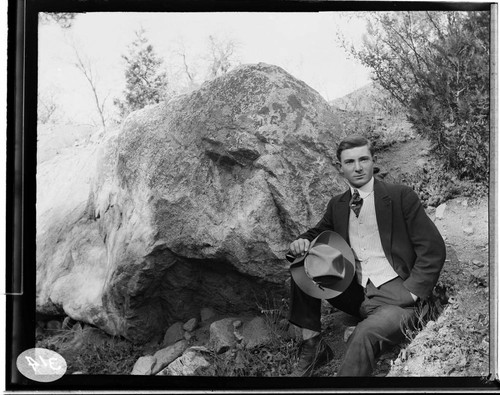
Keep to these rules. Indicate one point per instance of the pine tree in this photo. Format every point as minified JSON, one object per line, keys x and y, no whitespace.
{"x":146,"y":81}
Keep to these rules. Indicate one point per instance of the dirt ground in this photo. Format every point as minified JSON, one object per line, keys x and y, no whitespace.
{"x":457,"y":342}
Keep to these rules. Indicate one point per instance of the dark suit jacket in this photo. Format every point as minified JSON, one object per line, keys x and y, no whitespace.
{"x":411,"y":242}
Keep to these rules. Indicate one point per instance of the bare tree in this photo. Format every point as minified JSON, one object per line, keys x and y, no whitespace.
{"x":181,"y":52}
{"x":219,"y":57}
{"x":85,"y":66}
{"x":222,"y":56}
{"x":187,"y":70}
{"x":46,"y":108}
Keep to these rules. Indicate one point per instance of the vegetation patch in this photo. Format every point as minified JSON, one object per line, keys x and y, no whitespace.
{"x":89,"y":350}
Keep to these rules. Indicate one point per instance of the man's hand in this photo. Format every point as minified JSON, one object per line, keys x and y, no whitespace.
{"x":299,"y":247}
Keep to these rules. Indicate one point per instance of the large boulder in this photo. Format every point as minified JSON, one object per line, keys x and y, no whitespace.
{"x":194,"y":202}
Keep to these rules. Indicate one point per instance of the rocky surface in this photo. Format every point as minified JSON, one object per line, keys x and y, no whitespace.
{"x":193,"y":200}
{"x":224,"y":336}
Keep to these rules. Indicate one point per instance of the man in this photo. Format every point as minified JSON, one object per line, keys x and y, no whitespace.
{"x":399,"y":254}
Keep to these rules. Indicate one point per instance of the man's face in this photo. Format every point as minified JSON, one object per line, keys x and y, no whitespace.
{"x":356,"y":165}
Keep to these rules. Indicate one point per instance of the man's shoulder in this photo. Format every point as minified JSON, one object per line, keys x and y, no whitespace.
{"x":396,"y":192}
{"x":393,"y":188}
{"x":340,"y":195}
{"x":384,"y":186}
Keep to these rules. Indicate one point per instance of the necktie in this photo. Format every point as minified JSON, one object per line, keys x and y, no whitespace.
{"x":356,"y":202}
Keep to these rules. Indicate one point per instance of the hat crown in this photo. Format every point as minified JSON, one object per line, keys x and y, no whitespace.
{"x":324,"y":260}
{"x":327,"y":269}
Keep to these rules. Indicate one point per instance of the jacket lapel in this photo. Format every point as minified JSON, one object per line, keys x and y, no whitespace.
{"x":383,"y":210}
{"x":341,"y":215}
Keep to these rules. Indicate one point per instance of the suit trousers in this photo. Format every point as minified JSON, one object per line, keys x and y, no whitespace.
{"x":383,"y":311}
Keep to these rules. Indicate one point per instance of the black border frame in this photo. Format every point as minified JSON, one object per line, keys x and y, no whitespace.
{"x":21,"y":199}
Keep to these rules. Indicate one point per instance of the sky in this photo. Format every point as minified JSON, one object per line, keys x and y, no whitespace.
{"x":301,"y":43}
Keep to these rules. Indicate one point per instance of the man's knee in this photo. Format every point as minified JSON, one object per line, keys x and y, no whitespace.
{"x":387,"y":324}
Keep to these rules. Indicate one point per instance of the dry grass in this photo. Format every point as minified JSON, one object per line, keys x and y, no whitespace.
{"x":275,"y":358}
{"x":89,"y":350}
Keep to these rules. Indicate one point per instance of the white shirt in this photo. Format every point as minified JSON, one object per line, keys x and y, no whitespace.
{"x":364,"y":237}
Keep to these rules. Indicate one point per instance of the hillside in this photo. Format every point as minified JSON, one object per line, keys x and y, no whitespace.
{"x":371,"y":98}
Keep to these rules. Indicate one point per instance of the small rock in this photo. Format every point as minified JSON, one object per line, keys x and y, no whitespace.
{"x":222,"y":335}
{"x":186,"y":365}
{"x":256,"y":333}
{"x":167,"y":355}
{"x":53,"y":325}
{"x":237,"y":324}
{"x":206,"y":313}
{"x":440,"y":211}
{"x":79,"y":372}
{"x":430,"y":324}
{"x":465,"y":203}
{"x":238,"y":336}
{"x":144,"y":366}
{"x":173,"y":334}
{"x":77,"y":327}
{"x":188,"y":335}
{"x":477,"y":263}
{"x":190,"y":325}
{"x":468,"y":230}
{"x":39,"y":331}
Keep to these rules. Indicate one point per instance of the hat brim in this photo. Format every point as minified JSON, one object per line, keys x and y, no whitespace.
{"x":304,"y":281}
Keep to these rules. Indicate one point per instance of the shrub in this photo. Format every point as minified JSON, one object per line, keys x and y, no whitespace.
{"x":434,"y":184}
{"x":436,"y":64}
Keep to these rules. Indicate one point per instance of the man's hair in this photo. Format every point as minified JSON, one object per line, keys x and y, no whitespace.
{"x":354,"y":141}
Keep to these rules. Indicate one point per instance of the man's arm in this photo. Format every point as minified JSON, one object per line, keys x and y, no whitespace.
{"x":301,"y":244}
{"x":324,"y":224}
{"x":427,"y":243}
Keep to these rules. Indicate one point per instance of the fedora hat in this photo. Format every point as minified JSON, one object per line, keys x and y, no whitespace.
{"x":326,"y":269}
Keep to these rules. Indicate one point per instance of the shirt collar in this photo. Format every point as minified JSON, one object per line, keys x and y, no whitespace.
{"x":365,"y":190}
